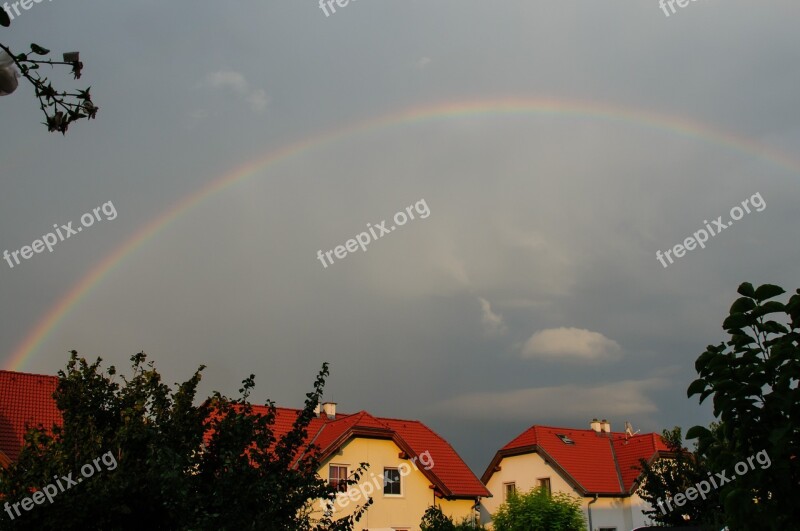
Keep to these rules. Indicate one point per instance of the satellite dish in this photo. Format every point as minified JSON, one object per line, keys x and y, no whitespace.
{"x":629,"y":430}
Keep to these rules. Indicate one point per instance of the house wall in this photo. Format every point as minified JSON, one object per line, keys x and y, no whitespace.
{"x":621,"y":513}
{"x":387,"y":512}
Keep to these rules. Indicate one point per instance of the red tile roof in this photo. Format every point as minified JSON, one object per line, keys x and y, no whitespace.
{"x":25,"y":400}
{"x":629,"y":451}
{"x":449,"y":474}
{"x":595,"y":463}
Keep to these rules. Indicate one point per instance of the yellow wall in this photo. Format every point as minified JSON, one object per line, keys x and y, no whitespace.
{"x":388,"y":512}
{"x":621,"y":513}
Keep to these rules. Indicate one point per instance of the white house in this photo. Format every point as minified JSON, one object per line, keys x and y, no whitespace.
{"x":596,"y":465}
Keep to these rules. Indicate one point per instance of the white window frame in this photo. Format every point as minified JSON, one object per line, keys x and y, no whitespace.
{"x":399,"y":482}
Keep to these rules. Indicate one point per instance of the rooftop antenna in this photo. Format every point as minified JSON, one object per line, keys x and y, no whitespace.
{"x":629,"y":430}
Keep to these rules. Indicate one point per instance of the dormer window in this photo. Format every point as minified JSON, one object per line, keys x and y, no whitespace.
{"x":564,"y":438}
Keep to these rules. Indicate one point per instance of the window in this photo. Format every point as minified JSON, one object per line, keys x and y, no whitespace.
{"x":564,"y":438}
{"x":337,"y":474}
{"x":545,"y":484}
{"x":391,"y":482}
{"x":509,"y":489}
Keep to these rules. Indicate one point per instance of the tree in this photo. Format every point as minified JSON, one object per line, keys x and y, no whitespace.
{"x":60,"y":108}
{"x":176,"y":465}
{"x":435,"y":520}
{"x":538,"y":510}
{"x":673,"y":474}
{"x":753,"y":381}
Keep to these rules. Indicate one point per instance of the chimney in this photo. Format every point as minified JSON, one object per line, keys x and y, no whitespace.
{"x":595,"y":425}
{"x":605,"y":426}
{"x":329,"y":408}
{"x":316,"y":410}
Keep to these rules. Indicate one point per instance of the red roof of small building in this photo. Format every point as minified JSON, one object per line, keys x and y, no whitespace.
{"x":594,"y":463}
{"x":26,"y":400}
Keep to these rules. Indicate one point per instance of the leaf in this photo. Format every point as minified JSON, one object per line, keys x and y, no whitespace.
{"x":703,"y":360}
{"x":742,"y":305}
{"x":767,"y":291}
{"x":736,"y":320}
{"x":696,"y":387}
{"x":697,"y":431}
{"x":4,"y":20}
{"x":769,"y":307}
{"x":746,"y":289}
{"x":35,"y":48}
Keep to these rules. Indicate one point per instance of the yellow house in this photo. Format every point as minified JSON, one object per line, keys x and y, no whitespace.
{"x":596,"y":465}
{"x":410,"y":468}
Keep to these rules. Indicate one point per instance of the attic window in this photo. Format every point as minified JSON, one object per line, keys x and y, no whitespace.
{"x":564,"y":438}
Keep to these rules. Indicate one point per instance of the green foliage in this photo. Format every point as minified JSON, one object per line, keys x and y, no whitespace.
{"x":435,"y":520}
{"x":537,"y":510}
{"x":753,"y":382}
{"x":181,"y":466}
{"x":664,"y":478}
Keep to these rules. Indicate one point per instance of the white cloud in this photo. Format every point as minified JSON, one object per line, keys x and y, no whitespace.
{"x":492,"y":322}
{"x":569,"y":402}
{"x":237,"y":83}
{"x":571,"y":344}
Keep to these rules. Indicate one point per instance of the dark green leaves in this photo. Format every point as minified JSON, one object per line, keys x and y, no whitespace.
{"x":746,"y":289}
{"x":767,"y":291}
{"x":216,"y":465}
{"x":696,"y":387}
{"x":4,"y":20}
{"x":753,"y":380}
{"x":743,"y":304}
{"x":697,"y":431}
{"x":736,"y":320}
{"x":38,"y":50}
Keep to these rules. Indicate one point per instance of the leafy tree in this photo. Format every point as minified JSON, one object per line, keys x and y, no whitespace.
{"x":753,"y":381}
{"x":60,"y":108}
{"x":674,"y":474}
{"x":435,"y":520}
{"x":176,"y":465}
{"x":538,"y":510}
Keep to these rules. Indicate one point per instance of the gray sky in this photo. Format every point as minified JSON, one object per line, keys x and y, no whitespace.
{"x":530,"y":294}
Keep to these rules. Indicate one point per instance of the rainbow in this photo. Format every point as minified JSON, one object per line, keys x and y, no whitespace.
{"x":442,"y":111}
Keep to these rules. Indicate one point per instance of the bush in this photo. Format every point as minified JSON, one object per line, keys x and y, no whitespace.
{"x":537,"y":510}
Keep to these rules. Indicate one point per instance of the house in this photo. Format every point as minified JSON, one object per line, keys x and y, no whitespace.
{"x":411,"y":466}
{"x":26,"y":400}
{"x":596,"y":464}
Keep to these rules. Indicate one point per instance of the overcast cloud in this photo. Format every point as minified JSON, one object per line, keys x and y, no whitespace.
{"x":530,"y":295}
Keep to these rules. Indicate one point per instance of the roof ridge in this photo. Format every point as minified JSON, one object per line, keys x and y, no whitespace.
{"x":20,"y":373}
